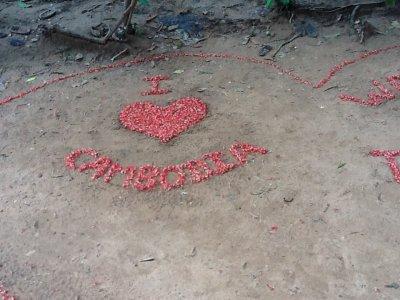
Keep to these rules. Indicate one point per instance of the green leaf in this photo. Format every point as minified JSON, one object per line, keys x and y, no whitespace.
{"x":144,"y":2}
{"x":269,"y":3}
{"x":391,"y":2}
{"x":22,"y":4}
{"x":272,"y":3}
{"x":30,"y":79}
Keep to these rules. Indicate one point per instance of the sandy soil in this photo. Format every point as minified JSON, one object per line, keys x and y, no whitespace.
{"x":64,"y":236}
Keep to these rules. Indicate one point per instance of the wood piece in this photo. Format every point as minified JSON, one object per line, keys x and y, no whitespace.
{"x":285,"y":43}
{"x":127,"y":13}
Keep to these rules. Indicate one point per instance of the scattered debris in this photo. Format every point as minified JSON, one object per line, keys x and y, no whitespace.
{"x":178,"y":71}
{"x":365,"y":29}
{"x":188,"y":22}
{"x":393,"y":285}
{"x":331,"y":5}
{"x":270,"y":286}
{"x":306,"y":27}
{"x":20,"y":30}
{"x":30,"y":253}
{"x":90,"y":9}
{"x":327,"y":207}
{"x":117,"y":32}
{"x":17,"y":42}
{"x":151,"y":18}
{"x":294,"y":290}
{"x":395,"y":24}
{"x":380,"y":197}
{"x":80,"y":84}
{"x":246,"y":40}
{"x":273,"y":229}
{"x":341,"y":165}
{"x":47,"y":14}
{"x":331,"y":36}
{"x":100,"y":30}
{"x":264,"y":50}
{"x":146,"y":259}
{"x":173,"y":27}
{"x":192,"y":253}
{"x":2,"y":85}
{"x":289,"y":196}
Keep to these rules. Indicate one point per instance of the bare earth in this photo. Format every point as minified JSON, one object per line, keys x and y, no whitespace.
{"x":64,"y":236}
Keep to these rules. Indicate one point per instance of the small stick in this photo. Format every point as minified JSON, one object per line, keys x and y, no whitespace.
{"x":129,"y":17}
{"x":103,"y":40}
{"x":353,"y":14}
{"x":332,"y":87}
{"x":116,"y":56}
{"x":285,"y":43}
{"x":126,"y":13}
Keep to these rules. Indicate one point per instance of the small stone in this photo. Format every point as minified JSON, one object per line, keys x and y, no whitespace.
{"x":289,"y":196}
{"x":264,"y":50}
{"x":173,"y":27}
{"x":79,"y":57}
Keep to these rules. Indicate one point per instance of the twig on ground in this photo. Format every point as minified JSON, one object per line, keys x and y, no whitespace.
{"x":127,"y":13}
{"x":332,"y":87}
{"x":285,"y":43}
{"x":116,"y":56}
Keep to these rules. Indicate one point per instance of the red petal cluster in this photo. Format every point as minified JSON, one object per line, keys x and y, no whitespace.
{"x":390,"y":156}
{"x":241,"y":150}
{"x":339,"y":67}
{"x":4,"y":295}
{"x":155,"y":85}
{"x":73,"y":156}
{"x":146,"y":178}
{"x":180,"y":180}
{"x":163,"y":122}
{"x":100,"y":165}
{"x":394,"y":80}
{"x":221,"y":166}
{"x":375,"y":99}
{"x":199,"y":170}
{"x":207,"y":56}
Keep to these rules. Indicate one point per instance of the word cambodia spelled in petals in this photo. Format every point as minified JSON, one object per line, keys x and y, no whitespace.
{"x":147,"y":177}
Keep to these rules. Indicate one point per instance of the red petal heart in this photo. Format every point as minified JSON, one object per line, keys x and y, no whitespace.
{"x":163,"y":122}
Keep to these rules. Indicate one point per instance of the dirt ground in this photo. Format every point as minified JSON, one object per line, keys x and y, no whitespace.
{"x":64,"y":236}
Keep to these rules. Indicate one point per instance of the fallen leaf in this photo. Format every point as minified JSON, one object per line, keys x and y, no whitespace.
{"x":30,"y":79}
